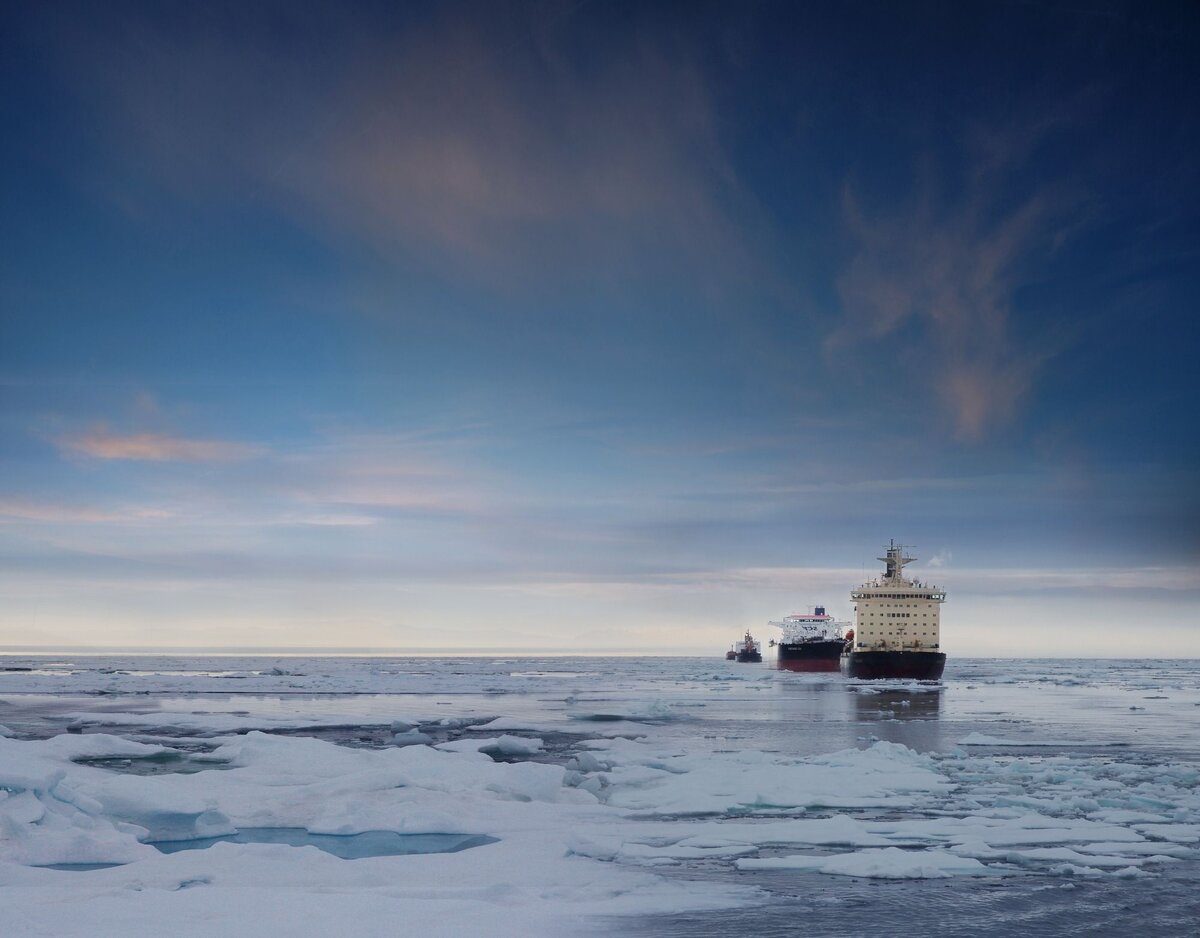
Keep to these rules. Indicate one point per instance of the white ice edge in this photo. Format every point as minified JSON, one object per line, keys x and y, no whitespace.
{"x":981,"y":739}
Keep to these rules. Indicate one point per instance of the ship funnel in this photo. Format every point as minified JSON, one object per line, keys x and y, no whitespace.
{"x":819,"y":611}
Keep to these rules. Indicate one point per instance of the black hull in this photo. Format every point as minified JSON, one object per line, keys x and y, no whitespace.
{"x":749,"y":658}
{"x":913,"y":665}
{"x":809,"y":656}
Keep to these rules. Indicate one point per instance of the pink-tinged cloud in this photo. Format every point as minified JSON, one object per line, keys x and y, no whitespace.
{"x":494,"y":165}
{"x":370,"y":477}
{"x":373,"y":486}
{"x":936,"y":282}
{"x":156,"y":447}
{"x":492,"y":156}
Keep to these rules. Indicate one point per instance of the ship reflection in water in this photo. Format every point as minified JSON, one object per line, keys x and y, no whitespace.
{"x":906,"y":716}
{"x":899,"y":704}
{"x":807,"y":664}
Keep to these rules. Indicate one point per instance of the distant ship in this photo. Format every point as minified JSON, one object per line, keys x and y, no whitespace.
{"x":811,"y":642}
{"x":745,"y":649}
{"x":897,"y":625}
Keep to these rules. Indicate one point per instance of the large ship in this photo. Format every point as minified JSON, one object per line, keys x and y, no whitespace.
{"x":897,"y":625}
{"x":811,"y":641}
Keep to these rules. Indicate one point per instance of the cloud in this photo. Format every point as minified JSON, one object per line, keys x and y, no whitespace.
{"x":936,"y":281}
{"x":1100,"y":579}
{"x":941,"y":559}
{"x":379,"y":475}
{"x":479,"y":141}
{"x":799,"y":580}
{"x":156,"y":447}
{"x":332,"y":521}
{"x":20,"y":510}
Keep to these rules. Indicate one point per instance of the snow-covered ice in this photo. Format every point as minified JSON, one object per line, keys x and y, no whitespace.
{"x":633,"y":790}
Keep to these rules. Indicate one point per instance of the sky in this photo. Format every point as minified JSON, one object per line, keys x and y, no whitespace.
{"x":597,"y":326}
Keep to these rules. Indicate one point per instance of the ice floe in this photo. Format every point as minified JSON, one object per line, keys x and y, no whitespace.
{"x":498,"y":745}
{"x":644,"y":777}
{"x":888,"y":863}
{"x":54,"y":810}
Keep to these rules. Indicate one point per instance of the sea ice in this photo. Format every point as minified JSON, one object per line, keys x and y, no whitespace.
{"x":1180,"y":833}
{"x":55,"y":810}
{"x":647,"y":779}
{"x":888,"y":863}
{"x":499,"y":745}
{"x":653,"y":711}
{"x":411,"y":738}
{"x":980,"y":739}
{"x":599,"y":833}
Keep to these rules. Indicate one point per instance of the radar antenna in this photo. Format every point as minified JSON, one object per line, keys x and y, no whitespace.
{"x":895,"y":558}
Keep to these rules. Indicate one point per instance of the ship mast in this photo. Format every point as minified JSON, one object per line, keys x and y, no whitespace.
{"x":895,"y":559}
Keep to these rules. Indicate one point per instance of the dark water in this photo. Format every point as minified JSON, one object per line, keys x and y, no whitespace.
{"x":805,"y":904}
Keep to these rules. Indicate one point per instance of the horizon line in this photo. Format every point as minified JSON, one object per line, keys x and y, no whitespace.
{"x":326,"y":651}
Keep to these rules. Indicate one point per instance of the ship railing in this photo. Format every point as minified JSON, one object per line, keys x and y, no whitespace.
{"x":935,"y":595}
{"x":896,"y":646}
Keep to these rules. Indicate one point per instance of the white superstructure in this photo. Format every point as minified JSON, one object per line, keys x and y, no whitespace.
{"x":894,"y":613}
{"x":809,"y":626}
{"x":747,"y":646}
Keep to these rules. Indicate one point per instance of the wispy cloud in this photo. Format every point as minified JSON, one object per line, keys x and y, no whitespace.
{"x":57,"y":513}
{"x":1016,"y":581}
{"x":838,"y":580}
{"x":382,"y":474}
{"x":937,"y":280}
{"x":941,"y":559}
{"x":453,"y":148}
{"x":332,"y":521}
{"x":472,"y":138}
{"x":101,"y":443}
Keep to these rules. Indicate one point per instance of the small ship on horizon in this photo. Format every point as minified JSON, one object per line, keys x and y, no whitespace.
{"x":745,"y":649}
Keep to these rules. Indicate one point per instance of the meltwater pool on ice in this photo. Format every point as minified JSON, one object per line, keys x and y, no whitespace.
{"x":346,"y":846}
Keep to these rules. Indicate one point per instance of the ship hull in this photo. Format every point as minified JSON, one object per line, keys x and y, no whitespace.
{"x":749,"y":656}
{"x":912,"y":665}
{"x":809,"y":656}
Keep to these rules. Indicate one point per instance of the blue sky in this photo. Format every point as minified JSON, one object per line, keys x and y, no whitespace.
{"x":600,"y":325}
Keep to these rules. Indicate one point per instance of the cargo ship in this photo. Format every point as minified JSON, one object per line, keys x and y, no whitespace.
{"x":745,"y":649}
{"x":811,"y":642}
{"x":897,"y":625}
